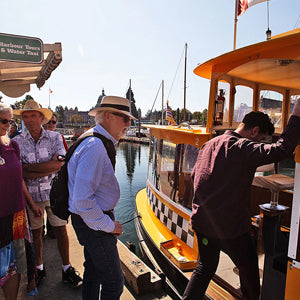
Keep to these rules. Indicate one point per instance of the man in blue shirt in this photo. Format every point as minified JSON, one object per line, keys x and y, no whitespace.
{"x":93,"y":194}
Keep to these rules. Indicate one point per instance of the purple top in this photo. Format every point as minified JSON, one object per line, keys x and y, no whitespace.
{"x":11,"y":190}
{"x":223,"y":175}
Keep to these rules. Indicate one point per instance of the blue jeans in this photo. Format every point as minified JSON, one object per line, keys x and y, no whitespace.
{"x":102,"y":262}
{"x":242,"y":252}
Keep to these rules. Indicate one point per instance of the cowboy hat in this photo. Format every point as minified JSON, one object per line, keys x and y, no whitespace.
{"x":113,"y":103}
{"x":32,"y":105}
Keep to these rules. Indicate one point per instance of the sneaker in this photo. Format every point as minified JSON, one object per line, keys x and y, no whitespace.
{"x":71,"y":277}
{"x":39,"y":275}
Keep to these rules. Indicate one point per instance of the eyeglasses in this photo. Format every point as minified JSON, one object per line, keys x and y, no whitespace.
{"x":52,"y":121}
{"x":125,"y":118}
{"x":5,"y":121}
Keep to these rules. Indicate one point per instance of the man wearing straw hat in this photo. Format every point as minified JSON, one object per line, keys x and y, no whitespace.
{"x":94,"y":193}
{"x":39,"y":151}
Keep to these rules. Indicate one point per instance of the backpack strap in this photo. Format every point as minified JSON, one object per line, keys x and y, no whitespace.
{"x":108,"y":144}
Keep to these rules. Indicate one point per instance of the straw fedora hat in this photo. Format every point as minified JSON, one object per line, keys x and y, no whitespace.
{"x":32,"y":105}
{"x":113,"y":103}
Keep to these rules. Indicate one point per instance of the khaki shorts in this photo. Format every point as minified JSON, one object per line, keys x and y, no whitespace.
{"x":37,"y":223}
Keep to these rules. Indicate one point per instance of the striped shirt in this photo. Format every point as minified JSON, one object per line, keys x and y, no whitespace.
{"x":43,"y":150}
{"x":93,"y":186}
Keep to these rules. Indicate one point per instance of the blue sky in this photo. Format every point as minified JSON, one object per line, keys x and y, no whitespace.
{"x":106,"y":43}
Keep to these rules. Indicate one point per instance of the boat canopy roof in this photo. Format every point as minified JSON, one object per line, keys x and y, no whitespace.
{"x":178,"y":135}
{"x":16,"y":77}
{"x":273,"y":63}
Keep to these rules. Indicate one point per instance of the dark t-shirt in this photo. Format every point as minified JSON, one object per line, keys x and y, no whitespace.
{"x":223,"y":175}
{"x":11,"y":190}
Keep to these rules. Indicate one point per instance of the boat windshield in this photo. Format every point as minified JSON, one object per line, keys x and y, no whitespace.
{"x":170,"y":168}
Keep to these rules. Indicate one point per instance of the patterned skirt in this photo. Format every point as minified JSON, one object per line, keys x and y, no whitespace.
{"x":16,"y":249}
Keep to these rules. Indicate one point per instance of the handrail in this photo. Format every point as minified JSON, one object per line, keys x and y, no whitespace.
{"x":184,"y":124}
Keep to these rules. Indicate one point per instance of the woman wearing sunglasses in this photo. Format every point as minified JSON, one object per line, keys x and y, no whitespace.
{"x":14,"y":229}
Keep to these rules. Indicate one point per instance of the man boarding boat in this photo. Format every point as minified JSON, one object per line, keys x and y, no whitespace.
{"x":221,"y":214}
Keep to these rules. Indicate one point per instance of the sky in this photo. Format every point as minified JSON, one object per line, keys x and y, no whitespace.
{"x":107,"y":43}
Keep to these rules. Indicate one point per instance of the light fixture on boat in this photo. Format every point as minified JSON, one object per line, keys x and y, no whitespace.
{"x":283,"y":62}
{"x":268,"y":33}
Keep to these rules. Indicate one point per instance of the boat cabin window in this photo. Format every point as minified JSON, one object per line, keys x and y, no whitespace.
{"x":153,"y":174}
{"x":271,"y":103}
{"x":243,"y":102}
{"x":170,"y":168}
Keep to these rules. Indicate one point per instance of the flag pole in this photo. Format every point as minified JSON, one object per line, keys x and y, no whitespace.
{"x":235,"y":24}
{"x":49,"y":97}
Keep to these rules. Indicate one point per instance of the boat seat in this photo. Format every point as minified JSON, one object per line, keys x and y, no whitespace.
{"x":274,"y":182}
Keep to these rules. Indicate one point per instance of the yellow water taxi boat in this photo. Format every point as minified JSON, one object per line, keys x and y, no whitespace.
{"x":164,"y":206}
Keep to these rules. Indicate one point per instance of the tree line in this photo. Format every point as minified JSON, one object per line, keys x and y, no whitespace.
{"x":196,"y":117}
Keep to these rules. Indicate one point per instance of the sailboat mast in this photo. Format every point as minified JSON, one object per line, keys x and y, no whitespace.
{"x":130,"y":96}
{"x":162,"y":102}
{"x":184,"y":88}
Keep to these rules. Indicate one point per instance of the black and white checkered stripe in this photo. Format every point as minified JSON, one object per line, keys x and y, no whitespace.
{"x":175,"y":223}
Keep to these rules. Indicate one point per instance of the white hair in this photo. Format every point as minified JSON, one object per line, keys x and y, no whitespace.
{"x":99,"y":117}
{"x":4,"y":139}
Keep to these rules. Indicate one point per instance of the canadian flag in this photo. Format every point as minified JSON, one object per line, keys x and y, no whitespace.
{"x":243,"y":5}
{"x":50,"y":91}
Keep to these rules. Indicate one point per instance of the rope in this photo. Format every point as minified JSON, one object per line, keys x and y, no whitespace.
{"x":297,"y":22}
{"x":154,"y":100}
{"x":175,"y":74}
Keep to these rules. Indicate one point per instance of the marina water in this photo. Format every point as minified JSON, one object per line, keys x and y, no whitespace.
{"x":131,"y":172}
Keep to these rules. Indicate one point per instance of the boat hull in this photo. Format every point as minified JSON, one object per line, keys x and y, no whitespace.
{"x":175,"y":278}
{"x":159,"y":260}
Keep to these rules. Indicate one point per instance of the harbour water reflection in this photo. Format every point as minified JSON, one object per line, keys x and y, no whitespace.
{"x":131,"y":171}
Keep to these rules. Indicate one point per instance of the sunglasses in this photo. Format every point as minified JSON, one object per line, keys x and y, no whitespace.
{"x":5,"y":121}
{"x":126,"y":118}
{"x":52,"y":121}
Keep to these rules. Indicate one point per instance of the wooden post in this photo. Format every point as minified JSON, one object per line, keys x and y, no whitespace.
{"x":285,"y":109}
{"x":211,"y":104}
{"x":231,"y":103}
{"x":255,"y":102}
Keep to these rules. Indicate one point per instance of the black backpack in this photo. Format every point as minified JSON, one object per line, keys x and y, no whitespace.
{"x":59,"y":193}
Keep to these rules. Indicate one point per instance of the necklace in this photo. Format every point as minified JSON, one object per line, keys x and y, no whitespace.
{"x":2,"y":161}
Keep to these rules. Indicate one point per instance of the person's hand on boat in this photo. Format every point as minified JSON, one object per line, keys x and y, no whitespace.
{"x":296,"y":110}
{"x":118,"y":231}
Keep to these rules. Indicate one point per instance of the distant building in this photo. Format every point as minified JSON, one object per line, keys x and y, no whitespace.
{"x":83,"y":114}
{"x":86,"y":119}
{"x":100,"y":98}
{"x":270,"y":104}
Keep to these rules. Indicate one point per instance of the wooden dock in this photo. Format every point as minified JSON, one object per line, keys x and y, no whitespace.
{"x":141,"y":282}
{"x":137,"y":140}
